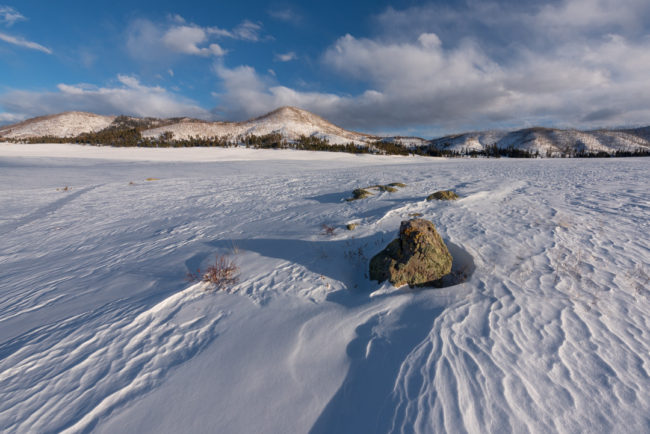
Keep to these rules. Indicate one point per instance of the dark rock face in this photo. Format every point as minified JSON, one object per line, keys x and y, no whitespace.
{"x":443,"y":195}
{"x":418,"y":257}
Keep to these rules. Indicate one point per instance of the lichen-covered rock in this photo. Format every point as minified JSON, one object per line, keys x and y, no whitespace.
{"x":362,"y":193}
{"x":418,"y":257}
{"x":443,"y":195}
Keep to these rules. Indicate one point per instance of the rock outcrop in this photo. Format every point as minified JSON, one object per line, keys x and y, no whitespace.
{"x":418,"y":257}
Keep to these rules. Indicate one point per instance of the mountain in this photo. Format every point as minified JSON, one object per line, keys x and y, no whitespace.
{"x":292,"y":122}
{"x":68,"y":124}
{"x":549,"y":141}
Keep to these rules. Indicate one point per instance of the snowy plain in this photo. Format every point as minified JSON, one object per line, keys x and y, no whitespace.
{"x":99,"y":331}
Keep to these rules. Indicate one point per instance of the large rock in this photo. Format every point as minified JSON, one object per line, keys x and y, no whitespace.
{"x":418,"y":257}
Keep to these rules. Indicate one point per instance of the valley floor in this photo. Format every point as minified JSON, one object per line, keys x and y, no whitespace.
{"x":99,"y":330}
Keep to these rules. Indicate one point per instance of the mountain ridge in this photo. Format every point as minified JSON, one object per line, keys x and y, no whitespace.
{"x":293,"y":122}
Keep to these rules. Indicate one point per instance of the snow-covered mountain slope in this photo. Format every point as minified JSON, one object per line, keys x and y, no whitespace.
{"x":100,"y":332}
{"x":548,"y":141}
{"x":473,"y":141}
{"x":68,"y":124}
{"x":291,"y":122}
{"x":406,"y":141}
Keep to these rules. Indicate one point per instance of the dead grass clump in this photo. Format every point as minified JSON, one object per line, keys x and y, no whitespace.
{"x":222,"y":274}
{"x":397,"y":184}
{"x":351,"y":226}
{"x":328,"y":230}
{"x":152,"y":179}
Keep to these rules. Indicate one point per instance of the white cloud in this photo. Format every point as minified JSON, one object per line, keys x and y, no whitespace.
{"x":149,"y":41}
{"x":580,"y":14}
{"x":22,"y":42}
{"x":186,"y":40}
{"x":10,"y":118}
{"x":128,"y":96}
{"x":249,"y":94}
{"x":247,"y":31}
{"x":485,"y":67}
{"x":9,"y":15}
{"x":286,"y":14}
{"x":286,"y":57}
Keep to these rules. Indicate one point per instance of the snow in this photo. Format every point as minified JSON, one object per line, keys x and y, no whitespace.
{"x":68,"y":124}
{"x":291,"y":122}
{"x":99,"y":330}
{"x":547,"y":141}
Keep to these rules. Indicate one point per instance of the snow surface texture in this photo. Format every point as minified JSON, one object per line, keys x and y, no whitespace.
{"x":99,"y":331}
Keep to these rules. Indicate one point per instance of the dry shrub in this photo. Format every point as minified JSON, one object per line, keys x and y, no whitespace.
{"x":328,"y":230}
{"x":222,"y":274}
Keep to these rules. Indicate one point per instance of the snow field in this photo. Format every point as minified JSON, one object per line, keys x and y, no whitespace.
{"x":99,"y":331}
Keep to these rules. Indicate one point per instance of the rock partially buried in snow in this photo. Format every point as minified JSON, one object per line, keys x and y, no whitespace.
{"x":362,"y":193}
{"x":443,"y":195}
{"x":418,"y":257}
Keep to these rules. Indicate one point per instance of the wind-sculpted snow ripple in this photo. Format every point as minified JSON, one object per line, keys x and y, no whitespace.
{"x":76,"y":377}
{"x":554,"y":336}
{"x":548,"y":332}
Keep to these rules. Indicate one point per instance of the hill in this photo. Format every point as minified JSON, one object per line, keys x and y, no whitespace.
{"x":67,"y":124}
{"x":292,"y":123}
{"x":548,"y":141}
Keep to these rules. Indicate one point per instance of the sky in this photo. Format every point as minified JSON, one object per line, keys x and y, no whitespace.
{"x":385,"y":67}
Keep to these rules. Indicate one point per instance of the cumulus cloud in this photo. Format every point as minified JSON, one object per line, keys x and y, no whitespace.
{"x":248,"y":94}
{"x":186,"y":40}
{"x":150,"y":41}
{"x":127,"y":96}
{"x":286,"y":57}
{"x":478,"y":65}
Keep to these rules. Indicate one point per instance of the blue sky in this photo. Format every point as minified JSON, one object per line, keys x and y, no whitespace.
{"x":393,"y":67}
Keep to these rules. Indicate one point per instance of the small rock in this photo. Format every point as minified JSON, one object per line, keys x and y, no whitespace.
{"x":418,"y":257}
{"x":443,"y":195}
{"x":359,"y":193}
